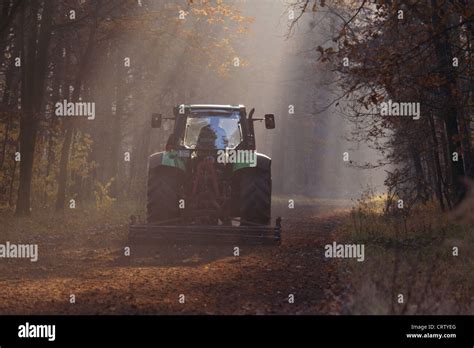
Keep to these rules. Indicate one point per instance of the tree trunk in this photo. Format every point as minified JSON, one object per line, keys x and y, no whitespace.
{"x":116,"y":154}
{"x":451,"y":113}
{"x":439,"y":174}
{"x":33,"y":78}
{"x":63,"y":164}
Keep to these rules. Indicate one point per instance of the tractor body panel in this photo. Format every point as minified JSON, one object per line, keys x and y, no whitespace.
{"x":168,"y":159}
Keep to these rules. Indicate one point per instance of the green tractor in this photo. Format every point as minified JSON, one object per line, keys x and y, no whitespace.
{"x":210,"y":185}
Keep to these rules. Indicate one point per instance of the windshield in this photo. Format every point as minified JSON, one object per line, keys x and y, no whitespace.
{"x":212,"y":131}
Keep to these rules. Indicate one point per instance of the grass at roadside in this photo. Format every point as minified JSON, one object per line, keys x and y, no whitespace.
{"x":410,"y":265}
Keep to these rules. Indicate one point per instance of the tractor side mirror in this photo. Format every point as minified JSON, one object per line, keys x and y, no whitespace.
{"x":156,"y":120}
{"x":269,"y":121}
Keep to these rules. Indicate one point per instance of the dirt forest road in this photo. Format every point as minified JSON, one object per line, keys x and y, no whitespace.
{"x":103,"y":281}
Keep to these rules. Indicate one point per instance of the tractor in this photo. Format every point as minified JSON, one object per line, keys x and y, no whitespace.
{"x":209,"y":185}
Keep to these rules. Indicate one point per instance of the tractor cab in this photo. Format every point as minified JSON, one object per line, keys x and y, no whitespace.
{"x":212,"y":127}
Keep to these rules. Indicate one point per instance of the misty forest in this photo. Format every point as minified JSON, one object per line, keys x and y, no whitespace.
{"x":373,"y":144}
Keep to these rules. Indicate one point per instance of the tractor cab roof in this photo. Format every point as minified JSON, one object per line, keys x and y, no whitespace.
{"x":210,"y":108}
{"x":214,"y":106}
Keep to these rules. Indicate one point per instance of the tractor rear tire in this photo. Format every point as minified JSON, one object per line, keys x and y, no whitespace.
{"x":163,"y":194}
{"x":255,"y":196}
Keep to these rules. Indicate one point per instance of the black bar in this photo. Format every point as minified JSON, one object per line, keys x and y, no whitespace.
{"x":291,"y":330}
